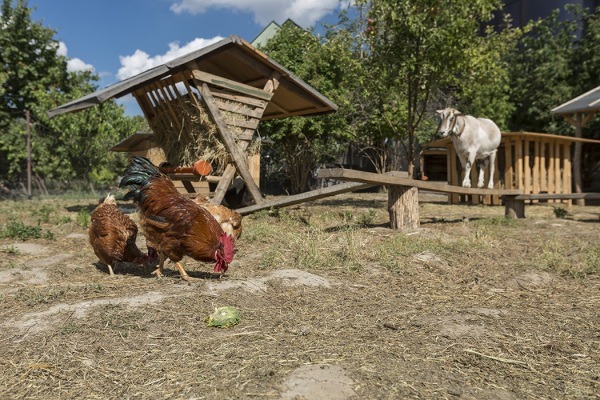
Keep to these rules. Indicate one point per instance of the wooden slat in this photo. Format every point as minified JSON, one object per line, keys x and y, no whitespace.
{"x":557,"y":172}
{"x":526,"y":167}
{"x":508,"y":164}
{"x":519,"y":158}
{"x":551,"y":169}
{"x":387,"y":180}
{"x":454,"y":173}
{"x":567,"y":188}
{"x":565,"y":196}
{"x":238,"y":108}
{"x":240,"y":99}
{"x":543,"y":167}
{"x":536,"y":167}
{"x":242,"y":123}
{"x":214,"y":80}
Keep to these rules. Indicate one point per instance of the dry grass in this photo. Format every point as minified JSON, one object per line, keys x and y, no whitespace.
{"x":476,"y":307}
{"x":194,"y":136}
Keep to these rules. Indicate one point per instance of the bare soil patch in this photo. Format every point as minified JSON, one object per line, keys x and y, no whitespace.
{"x":334,"y":305}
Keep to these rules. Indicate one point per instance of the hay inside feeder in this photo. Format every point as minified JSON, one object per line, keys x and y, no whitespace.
{"x":194,"y":136}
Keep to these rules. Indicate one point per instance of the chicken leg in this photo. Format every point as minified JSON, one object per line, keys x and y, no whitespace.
{"x":161,"y":262}
{"x":184,"y":274}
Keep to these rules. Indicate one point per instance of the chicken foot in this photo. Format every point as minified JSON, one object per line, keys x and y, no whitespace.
{"x":184,"y":274}
{"x":161,"y":262}
{"x":159,"y":271}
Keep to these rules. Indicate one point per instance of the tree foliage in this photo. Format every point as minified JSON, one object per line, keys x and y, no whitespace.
{"x":299,"y":143}
{"x":427,"y":47}
{"x":35,"y":78}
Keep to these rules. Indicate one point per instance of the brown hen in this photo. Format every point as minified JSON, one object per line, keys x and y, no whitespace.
{"x":173,"y":223}
{"x":230,"y":220}
{"x":112,"y":235}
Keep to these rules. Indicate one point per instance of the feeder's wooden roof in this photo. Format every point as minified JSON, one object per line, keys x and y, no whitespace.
{"x":231,"y":58}
{"x":587,"y":102}
{"x":130,"y":142}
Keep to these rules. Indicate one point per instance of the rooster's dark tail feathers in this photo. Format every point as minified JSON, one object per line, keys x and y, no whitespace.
{"x":137,"y":176}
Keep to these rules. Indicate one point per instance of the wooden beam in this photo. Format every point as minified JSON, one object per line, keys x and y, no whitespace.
{"x":205,"y":77}
{"x":228,"y":140}
{"x":390,"y":180}
{"x":307,"y":196}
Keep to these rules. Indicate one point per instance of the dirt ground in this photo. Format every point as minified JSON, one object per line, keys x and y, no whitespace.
{"x":333,"y":304}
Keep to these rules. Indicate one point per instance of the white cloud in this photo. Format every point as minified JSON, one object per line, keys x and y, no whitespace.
{"x":73,"y":64}
{"x":304,"y":12}
{"x":141,"y":61}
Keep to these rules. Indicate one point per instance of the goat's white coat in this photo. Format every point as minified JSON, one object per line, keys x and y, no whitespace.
{"x":473,"y":139}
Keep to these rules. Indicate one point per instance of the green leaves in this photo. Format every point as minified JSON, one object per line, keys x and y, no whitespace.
{"x":34,"y":77}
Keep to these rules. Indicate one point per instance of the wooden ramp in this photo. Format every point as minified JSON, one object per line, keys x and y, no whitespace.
{"x":307,"y":196}
{"x":396,"y":180}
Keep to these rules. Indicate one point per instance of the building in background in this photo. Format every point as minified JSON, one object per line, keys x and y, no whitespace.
{"x":523,"y":11}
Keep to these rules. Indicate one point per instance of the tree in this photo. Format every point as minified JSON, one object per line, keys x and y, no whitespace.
{"x":299,"y":143}
{"x":35,"y":77}
{"x":540,"y":72}
{"x":422,"y":48}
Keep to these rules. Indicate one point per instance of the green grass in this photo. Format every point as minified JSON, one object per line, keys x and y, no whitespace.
{"x":15,"y":229}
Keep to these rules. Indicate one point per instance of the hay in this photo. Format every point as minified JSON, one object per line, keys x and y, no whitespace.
{"x":195,"y":135}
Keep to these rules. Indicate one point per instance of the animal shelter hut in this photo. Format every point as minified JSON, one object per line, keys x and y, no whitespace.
{"x":534,"y":162}
{"x":207,"y":105}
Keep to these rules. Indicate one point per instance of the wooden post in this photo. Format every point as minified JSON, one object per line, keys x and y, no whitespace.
{"x":557,"y":178}
{"x":551,"y":170}
{"x":536,"y":168}
{"x":543,"y":167}
{"x":454,"y":178}
{"x":519,"y":159}
{"x":513,"y":208}
{"x":526,"y":167}
{"x":509,"y":170}
{"x":403,"y":207}
{"x":28,"y":126}
{"x":567,"y":174}
{"x":577,"y":179}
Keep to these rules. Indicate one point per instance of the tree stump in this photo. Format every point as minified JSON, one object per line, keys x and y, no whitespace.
{"x":403,"y":207}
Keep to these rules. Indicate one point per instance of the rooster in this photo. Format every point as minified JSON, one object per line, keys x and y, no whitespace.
{"x":173,"y":223}
{"x":112,"y":235}
{"x":230,"y":220}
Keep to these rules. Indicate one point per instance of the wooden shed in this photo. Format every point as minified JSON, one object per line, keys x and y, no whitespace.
{"x":534,"y":162}
{"x":227,"y":87}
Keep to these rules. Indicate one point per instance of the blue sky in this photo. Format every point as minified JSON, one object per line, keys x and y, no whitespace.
{"x":120,"y":38}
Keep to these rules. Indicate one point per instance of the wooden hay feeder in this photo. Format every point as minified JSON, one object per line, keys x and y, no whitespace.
{"x":207,"y":105}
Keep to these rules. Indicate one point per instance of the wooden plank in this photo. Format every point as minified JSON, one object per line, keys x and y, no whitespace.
{"x":307,"y":196}
{"x":536,"y":167}
{"x":509,"y":170}
{"x":559,"y":196}
{"x":238,"y":108}
{"x":242,"y":122}
{"x":205,"y":77}
{"x":543,"y":167}
{"x":526,"y":168}
{"x":567,"y":187}
{"x":519,"y":159}
{"x":551,"y":169}
{"x":557,"y":172}
{"x":239,"y":159}
{"x":240,"y":99}
{"x":454,"y":176}
{"x":389,"y":180}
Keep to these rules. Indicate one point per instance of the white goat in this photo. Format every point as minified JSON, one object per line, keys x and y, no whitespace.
{"x":473,"y":139}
